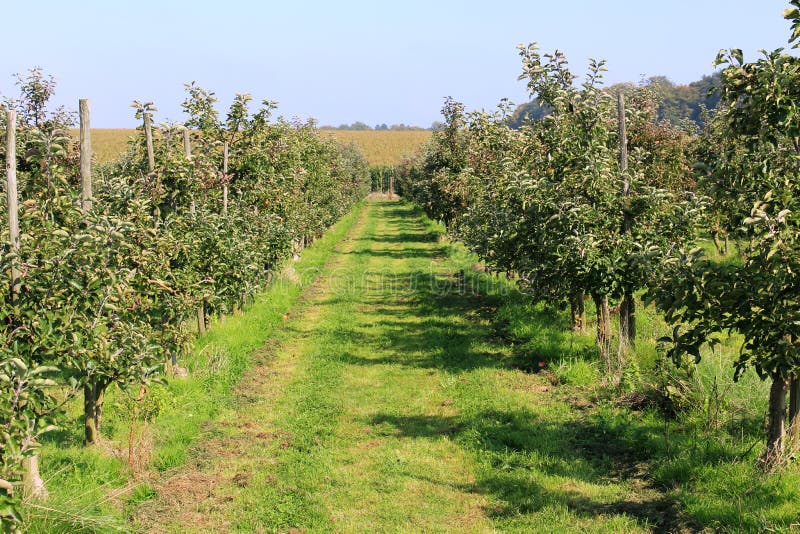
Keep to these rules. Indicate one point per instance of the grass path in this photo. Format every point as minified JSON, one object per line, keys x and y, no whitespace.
{"x":387,"y":404}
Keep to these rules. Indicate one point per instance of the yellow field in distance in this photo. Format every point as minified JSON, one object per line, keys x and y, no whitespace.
{"x":379,"y":147}
{"x":108,"y":143}
{"x":383,"y":147}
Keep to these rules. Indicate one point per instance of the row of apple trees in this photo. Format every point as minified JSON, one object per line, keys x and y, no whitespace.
{"x":599,"y":200}
{"x":107,"y":289}
{"x":557,"y":203}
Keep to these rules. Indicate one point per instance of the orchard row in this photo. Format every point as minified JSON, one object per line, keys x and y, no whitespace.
{"x":112,"y":268}
{"x":598,"y":200}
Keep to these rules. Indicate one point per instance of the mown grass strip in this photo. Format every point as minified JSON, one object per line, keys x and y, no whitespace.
{"x":286,"y":494}
{"x":409,"y":391}
{"x":404,"y":414}
{"x":435,"y":397}
{"x":221,"y":356}
{"x":577,"y":456}
{"x":93,"y":490}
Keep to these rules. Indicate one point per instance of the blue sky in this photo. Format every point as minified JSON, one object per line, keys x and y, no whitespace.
{"x":377,"y":62}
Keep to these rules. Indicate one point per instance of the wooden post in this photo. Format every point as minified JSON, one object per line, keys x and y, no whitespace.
{"x":794,"y":403}
{"x":187,"y":147}
{"x":201,"y":319}
{"x":148,"y":135}
{"x":201,"y":314}
{"x":225,"y":179}
{"x":86,"y":156}
{"x":627,"y":308}
{"x":12,"y":197}
{"x":151,"y":161}
{"x":187,"y":150}
{"x":31,"y":479}
{"x":623,"y":160}
{"x":578,"y":308}
{"x":603,"y":330}
{"x":90,"y":416}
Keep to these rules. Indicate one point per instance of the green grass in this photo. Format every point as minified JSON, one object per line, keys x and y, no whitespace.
{"x":96,"y":487}
{"x":694,"y":469}
{"x":408,"y":391}
{"x":399,"y":410}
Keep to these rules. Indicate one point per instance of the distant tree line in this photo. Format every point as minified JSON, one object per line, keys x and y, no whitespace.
{"x":360,"y":126}
{"x":681,"y":105}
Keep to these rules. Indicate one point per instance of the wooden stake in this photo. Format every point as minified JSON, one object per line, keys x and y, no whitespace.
{"x":225,"y":179}
{"x":201,"y":314}
{"x":187,"y":150}
{"x":627,"y":309}
{"x":201,"y":319}
{"x":148,"y":134}
{"x":623,"y":142}
{"x":31,"y":479}
{"x":187,"y":147}
{"x":794,"y":402}
{"x":12,"y":197}
{"x":86,"y":156}
{"x":151,"y":162}
{"x":776,"y":426}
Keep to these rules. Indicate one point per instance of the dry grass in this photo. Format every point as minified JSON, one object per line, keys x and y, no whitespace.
{"x":383,"y":147}
{"x":379,"y":147}
{"x":108,"y":143}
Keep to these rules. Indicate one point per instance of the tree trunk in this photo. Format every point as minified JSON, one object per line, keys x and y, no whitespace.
{"x":577,"y":307}
{"x":603,"y":328}
{"x":794,"y":402}
{"x":31,"y":480}
{"x":776,"y":429}
{"x":89,"y":421}
{"x":93,"y":396}
{"x":717,"y":243}
{"x":627,"y":320}
{"x":99,"y":397}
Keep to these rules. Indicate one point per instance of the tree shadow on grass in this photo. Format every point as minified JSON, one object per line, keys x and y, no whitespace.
{"x":405,"y":253}
{"x":527,"y":457}
{"x":448,"y":321}
{"x":427,"y":329}
{"x":409,"y":235}
{"x":528,"y":461}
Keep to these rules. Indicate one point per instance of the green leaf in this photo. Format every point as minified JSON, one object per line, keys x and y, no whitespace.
{"x":19,"y":364}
